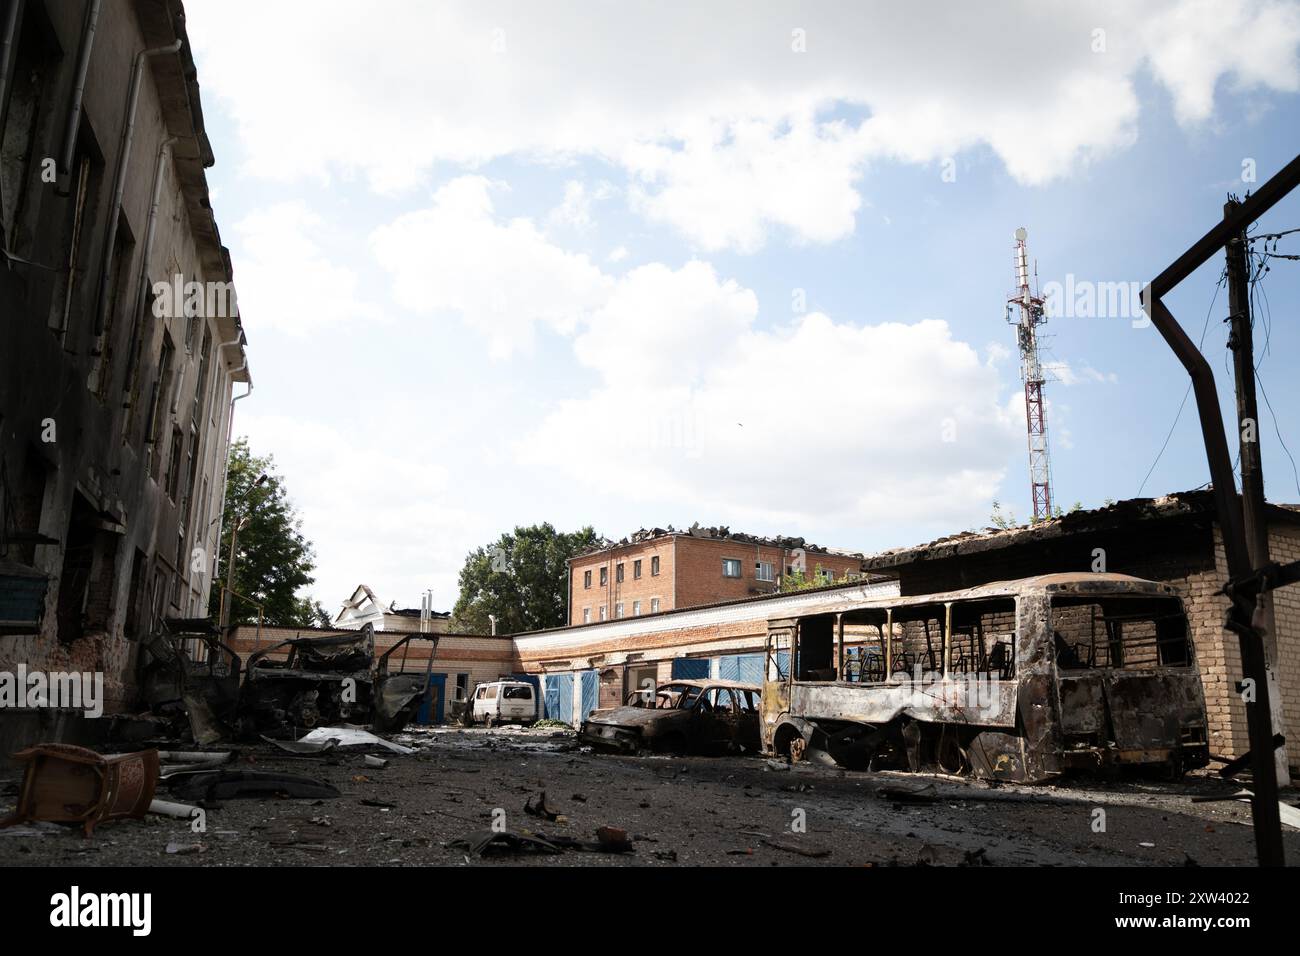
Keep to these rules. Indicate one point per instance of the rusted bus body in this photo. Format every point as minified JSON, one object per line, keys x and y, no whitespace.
{"x":1019,"y":680}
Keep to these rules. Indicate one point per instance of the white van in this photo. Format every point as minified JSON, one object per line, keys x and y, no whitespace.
{"x":505,"y":701}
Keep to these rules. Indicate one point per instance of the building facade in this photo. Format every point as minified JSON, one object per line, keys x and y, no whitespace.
{"x":120,"y":342}
{"x":665,"y":570}
{"x":364,"y":607}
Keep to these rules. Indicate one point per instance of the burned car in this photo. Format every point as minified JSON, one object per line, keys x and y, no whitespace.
{"x":294,"y":685}
{"x":683,"y":716}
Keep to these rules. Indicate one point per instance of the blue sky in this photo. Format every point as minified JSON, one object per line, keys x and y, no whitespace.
{"x":632,"y":265}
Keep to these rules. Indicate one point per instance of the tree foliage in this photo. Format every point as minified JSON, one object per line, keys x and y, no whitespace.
{"x":521,"y":578}
{"x":273,"y":560}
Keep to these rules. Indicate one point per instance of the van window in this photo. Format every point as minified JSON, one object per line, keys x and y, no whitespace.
{"x":492,"y":692}
{"x":517,"y":693}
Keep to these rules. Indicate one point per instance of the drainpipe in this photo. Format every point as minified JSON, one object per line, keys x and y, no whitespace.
{"x":8,"y":49}
{"x":63,"y":183}
{"x":8,"y":45}
{"x":225,"y":471}
{"x":119,"y":188}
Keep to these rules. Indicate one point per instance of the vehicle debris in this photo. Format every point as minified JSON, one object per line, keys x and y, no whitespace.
{"x":298,"y":683}
{"x":709,"y":716}
{"x":239,"y":784}
{"x":352,"y":737}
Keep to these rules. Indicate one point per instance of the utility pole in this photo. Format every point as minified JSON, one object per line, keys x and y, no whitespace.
{"x":1254,"y":509}
{"x":1245,"y":582}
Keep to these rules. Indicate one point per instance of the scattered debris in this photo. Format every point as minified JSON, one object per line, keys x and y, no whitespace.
{"x":352,"y":737}
{"x":802,"y":849}
{"x":489,"y":842}
{"x":236,"y":784}
{"x":185,"y":849}
{"x":540,"y":809}
{"x":376,"y":762}
{"x":926,"y":793}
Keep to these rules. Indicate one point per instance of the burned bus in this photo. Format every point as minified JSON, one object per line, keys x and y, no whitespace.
{"x":1019,"y":681}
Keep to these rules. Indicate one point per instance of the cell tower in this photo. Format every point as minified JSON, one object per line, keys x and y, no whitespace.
{"x":1029,"y":316}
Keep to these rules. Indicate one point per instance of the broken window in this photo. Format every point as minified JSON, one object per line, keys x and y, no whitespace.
{"x":865,"y":646}
{"x":618,"y":573}
{"x":604,"y":576}
{"x":654,"y":565}
{"x":731,"y":567}
{"x":158,"y":407}
{"x":87,"y":579}
{"x":34,"y":78}
{"x":586,"y":579}
{"x":815,"y":650}
{"x":636,"y":569}
{"x":1136,"y":633}
{"x":174,"y":463}
{"x":984,"y":638}
{"x":917,"y":639}
{"x":765,"y":571}
{"x":101,"y":374}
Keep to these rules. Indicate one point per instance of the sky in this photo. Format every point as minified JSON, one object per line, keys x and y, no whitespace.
{"x":741,"y":263}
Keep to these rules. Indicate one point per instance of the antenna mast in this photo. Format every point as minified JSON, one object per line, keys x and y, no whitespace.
{"x":1025,"y":311}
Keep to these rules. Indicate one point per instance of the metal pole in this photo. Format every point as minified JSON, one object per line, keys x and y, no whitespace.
{"x":1264,"y":807}
{"x":1254,"y":507}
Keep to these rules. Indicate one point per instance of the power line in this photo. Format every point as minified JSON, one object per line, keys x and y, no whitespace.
{"x":1181,"y":405}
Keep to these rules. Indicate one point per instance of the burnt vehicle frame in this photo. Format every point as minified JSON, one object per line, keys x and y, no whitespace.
{"x":320,"y":681}
{"x":680,"y":716}
{"x":984,"y":682}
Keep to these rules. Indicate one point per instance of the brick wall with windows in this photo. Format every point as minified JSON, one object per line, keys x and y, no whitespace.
{"x":682,"y":570}
{"x":587,"y":594}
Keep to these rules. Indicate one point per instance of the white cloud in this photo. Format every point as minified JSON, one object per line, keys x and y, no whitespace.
{"x":502,"y":277}
{"x":724,"y":129}
{"x":285,"y":279}
{"x":872,"y":422}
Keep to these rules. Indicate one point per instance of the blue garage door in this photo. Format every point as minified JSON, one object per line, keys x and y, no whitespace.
{"x":691,"y":668}
{"x":559,"y":697}
{"x":590,"y":693}
{"x":432,"y":709}
{"x":746,"y":668}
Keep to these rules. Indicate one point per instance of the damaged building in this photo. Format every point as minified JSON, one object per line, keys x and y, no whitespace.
{"x":662,"y":569}
{"x":120,"y":342}
{"x":1173,"y":540}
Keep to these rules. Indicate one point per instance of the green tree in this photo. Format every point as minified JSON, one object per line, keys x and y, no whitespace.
{"x":522,"y":579}
{"x":273,"y":560}
{"x":796,"y":580}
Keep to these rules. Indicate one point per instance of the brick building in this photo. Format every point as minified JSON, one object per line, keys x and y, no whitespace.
{"x":664,"y":570}
{"x":115,"y":407}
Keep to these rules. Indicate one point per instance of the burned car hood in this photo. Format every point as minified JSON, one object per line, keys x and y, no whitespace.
{"x":637,"y":716}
